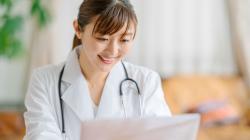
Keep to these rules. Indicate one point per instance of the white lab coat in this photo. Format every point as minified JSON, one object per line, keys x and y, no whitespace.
{"x":43,"y":118}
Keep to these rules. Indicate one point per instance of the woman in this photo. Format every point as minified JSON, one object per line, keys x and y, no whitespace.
{"x":88,"y":85}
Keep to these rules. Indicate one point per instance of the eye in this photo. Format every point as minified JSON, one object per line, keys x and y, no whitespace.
{"x":102,"y":39}
{"x":125,"y":40}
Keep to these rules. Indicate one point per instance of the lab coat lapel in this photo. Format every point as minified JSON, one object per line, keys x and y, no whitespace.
{"x":110,"y":103}
{"x":76,"y":95}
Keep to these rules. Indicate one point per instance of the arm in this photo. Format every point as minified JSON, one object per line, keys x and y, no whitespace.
{"x":153,"y":97}
{"x":39,"y":120}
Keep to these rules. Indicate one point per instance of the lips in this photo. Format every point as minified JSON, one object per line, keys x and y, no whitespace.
{"x":106,"y":60}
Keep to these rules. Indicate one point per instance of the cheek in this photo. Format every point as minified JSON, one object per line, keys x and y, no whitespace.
{"x":126,"y":49}
{"x":94,"y":47}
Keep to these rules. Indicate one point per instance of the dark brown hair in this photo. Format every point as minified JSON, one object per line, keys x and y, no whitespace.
{"x":111,"y":15}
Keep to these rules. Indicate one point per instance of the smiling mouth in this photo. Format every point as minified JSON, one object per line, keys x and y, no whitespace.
{"x":106,"y":60}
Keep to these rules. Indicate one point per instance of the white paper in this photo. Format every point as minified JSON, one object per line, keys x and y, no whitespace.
{"x":182,"y":127}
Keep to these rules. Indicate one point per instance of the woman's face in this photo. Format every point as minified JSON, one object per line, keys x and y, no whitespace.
{"x":104,"y":51}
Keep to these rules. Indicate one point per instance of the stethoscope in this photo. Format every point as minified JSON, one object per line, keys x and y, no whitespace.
{"x":127,"y":79}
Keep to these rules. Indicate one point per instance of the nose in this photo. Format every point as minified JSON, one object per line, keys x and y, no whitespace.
{"x":113,"y":48}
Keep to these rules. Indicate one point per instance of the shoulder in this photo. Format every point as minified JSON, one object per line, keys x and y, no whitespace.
{"x":48,"y":69}
{"x":42,"y":83}
{"x":47,"y":73}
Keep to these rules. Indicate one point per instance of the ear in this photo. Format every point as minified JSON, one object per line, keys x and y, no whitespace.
{"x":77,"y":29}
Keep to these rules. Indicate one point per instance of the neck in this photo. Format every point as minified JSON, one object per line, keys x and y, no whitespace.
{"x":91,"y":73}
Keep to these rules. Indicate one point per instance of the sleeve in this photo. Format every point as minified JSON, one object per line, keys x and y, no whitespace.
{"x":154,"y":103}
{"x":39,"y":119}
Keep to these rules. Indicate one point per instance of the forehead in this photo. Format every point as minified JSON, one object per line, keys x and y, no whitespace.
{"x":113,"y":26}
{"x":126,"y":30}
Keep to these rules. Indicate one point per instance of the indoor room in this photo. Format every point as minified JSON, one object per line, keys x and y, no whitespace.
{"x":190,"y":56}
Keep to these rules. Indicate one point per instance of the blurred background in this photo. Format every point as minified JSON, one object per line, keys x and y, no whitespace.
{"x":201,"y":49}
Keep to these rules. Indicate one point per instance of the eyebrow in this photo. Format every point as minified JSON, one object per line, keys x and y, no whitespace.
{"x":124,"y":34}
{"x":127,"y":34}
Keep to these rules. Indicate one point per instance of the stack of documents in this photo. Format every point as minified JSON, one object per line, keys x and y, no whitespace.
{"x":182,"y":127}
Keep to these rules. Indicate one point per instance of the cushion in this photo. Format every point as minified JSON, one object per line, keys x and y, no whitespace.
{"x":215,"y":112}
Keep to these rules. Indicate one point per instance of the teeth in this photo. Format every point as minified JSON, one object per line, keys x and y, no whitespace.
{"x":106,"y":59}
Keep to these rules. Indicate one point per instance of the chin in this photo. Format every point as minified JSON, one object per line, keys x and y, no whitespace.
{"x":105,"y":67}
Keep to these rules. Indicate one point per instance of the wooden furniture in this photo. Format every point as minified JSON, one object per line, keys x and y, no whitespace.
{"x":11,"y":126}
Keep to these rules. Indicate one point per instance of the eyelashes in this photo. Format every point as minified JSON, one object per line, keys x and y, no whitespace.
{"x":106,"y":39}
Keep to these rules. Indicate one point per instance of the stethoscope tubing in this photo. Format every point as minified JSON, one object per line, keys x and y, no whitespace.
{"x":121,"y":95}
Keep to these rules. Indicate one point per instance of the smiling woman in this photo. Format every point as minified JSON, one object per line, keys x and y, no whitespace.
{"x":89,"y":84}
{"x":107,"y":36}
{"x":102,"y":51}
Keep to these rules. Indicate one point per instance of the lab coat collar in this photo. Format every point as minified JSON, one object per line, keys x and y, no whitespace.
{"x":72,"y":70}
{"x":77,"y":96}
